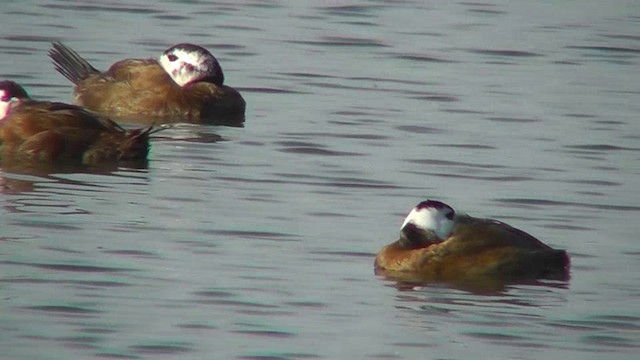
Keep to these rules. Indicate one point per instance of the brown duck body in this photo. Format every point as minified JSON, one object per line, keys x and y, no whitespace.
{"x":476,"y":249}
{"x":141,"y":91}
{"x":51,"y":132}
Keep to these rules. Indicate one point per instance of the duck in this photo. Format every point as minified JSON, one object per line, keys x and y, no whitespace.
{"x":54,"y":132}
{"x":438,"y":245}
{"x":185,"y":84}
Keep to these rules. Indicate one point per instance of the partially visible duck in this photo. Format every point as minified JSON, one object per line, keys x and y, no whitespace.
{"x":45,"y":131}
{"x":185,"y":84}
{"x":436,"y":244}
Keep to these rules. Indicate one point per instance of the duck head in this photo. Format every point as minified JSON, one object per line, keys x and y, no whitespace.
{"x":430,"y":222}
{"x":188,"y":64}
{"x":10,"y":92}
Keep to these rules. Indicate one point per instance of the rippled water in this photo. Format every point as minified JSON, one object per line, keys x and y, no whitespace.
{"x":258,"y":242}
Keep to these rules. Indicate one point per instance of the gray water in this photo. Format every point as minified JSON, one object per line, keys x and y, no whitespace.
{"x":258,"y":242}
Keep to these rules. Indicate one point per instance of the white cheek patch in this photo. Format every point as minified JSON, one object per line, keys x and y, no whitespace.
{"x":430,"y":219}
{"x":5,"y":107}
{"x":4,"y":104}
{"x":190,"y":58}
{"x":4,"y":110}
{"x":187,"y":67}
{"x":419,"y":218}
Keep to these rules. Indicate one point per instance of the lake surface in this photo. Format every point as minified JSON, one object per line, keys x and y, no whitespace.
{"x":258,"y":242}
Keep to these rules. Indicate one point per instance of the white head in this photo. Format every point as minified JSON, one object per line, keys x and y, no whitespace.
{"x":188,"y":63}
{"x":10,"y":93}
{"x":430,"y":217}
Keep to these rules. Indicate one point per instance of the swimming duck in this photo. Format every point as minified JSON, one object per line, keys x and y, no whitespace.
{"x":45,"y":131}
{"x":436,"y":244}
{"x":185,"y":84}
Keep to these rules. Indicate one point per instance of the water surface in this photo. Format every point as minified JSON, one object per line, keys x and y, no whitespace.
{"x":258,"y":242}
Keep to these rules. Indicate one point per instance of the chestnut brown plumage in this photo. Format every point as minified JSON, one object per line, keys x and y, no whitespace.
{"x":436,"y":244}
{"x":52,"y":131}
{"x":184,"y":85}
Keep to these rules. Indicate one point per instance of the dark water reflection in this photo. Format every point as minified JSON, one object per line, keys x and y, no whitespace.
{"x":258,"y":242}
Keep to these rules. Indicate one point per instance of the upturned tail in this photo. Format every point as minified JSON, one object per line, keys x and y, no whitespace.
{"x":136,"y":143}
{"x":68,"y":63}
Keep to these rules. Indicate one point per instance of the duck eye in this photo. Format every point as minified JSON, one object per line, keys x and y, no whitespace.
{"x":172,"y":57}
{"x":449,"y":216}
